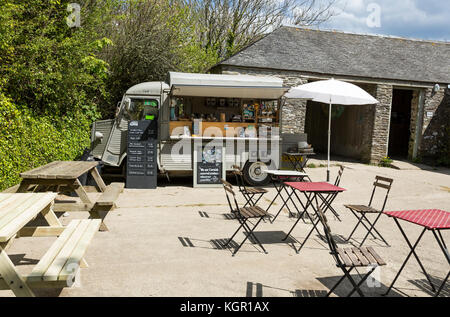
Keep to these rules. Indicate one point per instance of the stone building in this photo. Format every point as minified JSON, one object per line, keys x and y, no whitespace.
{"x":409,"y":77}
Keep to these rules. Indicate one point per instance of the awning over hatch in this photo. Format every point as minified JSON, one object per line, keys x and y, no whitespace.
{"x":228,"y":92}
{"x":226,"y":86}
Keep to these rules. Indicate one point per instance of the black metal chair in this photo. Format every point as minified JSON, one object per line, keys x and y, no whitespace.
{"x":360,"y":211}
{"x":332,"y":197}
{"x":348,"y":259}
{"x":252,"y":195}
{"x":243,"y":215}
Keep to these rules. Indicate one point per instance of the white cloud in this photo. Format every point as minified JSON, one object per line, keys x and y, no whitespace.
{"x":409,"y":18}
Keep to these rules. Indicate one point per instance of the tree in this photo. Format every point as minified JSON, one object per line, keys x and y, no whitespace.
{"x":150,"y":38}
{"x":227,"y":26}
{"x":51,"y":81}
{"x":51,"y":68}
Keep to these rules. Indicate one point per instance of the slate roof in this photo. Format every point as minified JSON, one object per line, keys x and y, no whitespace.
{"x":346,"y":54}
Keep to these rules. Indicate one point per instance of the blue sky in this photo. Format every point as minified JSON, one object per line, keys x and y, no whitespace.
{"x":419,"y":19}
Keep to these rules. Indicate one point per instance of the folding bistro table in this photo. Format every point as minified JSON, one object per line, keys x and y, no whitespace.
{"x":299,"y":161}
{"x":434,"y":220}
{"x":313,"y":192}
{"x":277,"y":177}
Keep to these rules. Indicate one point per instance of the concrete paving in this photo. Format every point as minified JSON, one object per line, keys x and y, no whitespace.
{"x":159,"y":244}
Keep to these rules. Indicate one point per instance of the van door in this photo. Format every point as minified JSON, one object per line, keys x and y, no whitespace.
{"x":116,"y":147}
{"x":164,"y":117}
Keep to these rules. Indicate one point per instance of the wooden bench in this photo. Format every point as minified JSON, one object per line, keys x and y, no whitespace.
{"x":60,"y":264}
{"x":58,"y":267}
{"x":62,"y":261}
{"x":106,"y":203}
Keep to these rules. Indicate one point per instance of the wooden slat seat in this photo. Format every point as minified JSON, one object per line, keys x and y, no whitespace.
{"x":363,"y":208}
{"x":255,"y":190}
{"x":61,"y":262}
{"x":110,"y":195}
{"x":253,"y":212}
{"x":348,"y":259}
{"x":106,"y":203}
{"x":360,"y":257}
{"x":242,"y":215}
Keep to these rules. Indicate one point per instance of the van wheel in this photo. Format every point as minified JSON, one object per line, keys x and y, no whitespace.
{"x":253,"y":174}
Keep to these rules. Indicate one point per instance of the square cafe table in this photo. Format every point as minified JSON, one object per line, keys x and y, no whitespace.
{"x":313,"y":191}
{"x":433,"y":220}
{"x":298,"y":161}
{"x":277,"y":177}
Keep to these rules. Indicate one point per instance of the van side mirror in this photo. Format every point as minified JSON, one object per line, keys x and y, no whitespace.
{"x":127,"y":104}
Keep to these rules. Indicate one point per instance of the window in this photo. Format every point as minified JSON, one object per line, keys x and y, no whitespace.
{"x":142,"y":109}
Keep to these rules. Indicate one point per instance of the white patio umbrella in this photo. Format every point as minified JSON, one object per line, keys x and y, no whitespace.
{"x":331,"y":92}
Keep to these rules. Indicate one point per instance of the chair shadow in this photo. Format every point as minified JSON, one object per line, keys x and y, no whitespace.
{"x":271,"y":237}
{"x":257,"y":290}
{"x":20,"y":259}
{"x":424,"y":286}
{"x":345,"y":287}
{"x":340,"y":239}
{"x":309,"y":293}
{"x":224,"y":244}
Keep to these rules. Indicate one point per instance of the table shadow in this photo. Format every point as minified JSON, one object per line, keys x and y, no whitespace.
{"x":346,"y":287}
{"x":425,"y":287}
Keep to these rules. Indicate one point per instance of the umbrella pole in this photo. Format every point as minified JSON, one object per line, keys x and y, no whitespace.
{"x":329,"y":142}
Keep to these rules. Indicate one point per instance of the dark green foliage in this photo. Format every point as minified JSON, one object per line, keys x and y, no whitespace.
{"x":51,"y":83}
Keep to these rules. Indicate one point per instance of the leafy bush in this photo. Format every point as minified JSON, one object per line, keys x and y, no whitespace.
{"x":28,"y":141}
{"x":386,"y":162}
{"x":51,"y":83}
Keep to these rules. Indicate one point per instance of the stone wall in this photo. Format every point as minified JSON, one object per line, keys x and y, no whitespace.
{"x":381,"y":124}
{"x":435,"y":133}
{"x":436,"y":128}
{"x":369,"y":120}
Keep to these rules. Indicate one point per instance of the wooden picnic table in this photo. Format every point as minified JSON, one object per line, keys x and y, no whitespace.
{"x":64,"y":174}
{"x":16,"y":210}
{"x":57,"y":266}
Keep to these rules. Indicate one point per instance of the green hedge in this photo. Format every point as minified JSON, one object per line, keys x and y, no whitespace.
{"x":28,"y":141}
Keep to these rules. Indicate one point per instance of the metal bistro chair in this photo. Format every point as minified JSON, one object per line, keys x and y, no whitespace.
{"x":252,"y":195}
{"x":332,"y":197}
{"x":243,"y":215}
{"x":360,"y":211}
{"x":348,"y":259}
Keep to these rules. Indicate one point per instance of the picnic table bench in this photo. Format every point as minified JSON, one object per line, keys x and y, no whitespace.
{"x":58,"y":267}
{"x":63,"y":175}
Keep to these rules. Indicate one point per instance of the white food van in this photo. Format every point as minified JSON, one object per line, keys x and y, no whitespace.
{"x":241,"y":112}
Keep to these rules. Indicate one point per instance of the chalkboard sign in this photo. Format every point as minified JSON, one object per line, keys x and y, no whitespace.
{"x":209,"y":165}
{"x":142,"y":170}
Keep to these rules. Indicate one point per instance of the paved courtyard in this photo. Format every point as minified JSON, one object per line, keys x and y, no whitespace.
{"x":159,"y":243}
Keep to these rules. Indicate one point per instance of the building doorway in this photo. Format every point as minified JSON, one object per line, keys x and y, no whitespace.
{"x":400,"y":130}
